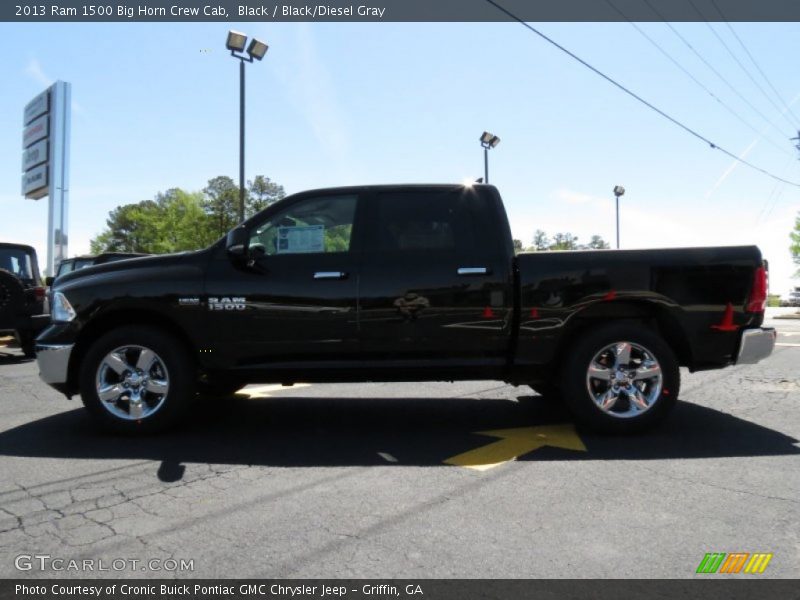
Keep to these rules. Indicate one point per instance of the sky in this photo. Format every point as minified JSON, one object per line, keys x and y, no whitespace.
{"x":155,"y":106}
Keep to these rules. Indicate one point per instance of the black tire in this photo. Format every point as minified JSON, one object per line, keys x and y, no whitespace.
{"x":622,"y":416}
{"x":174,"y":365}
{"x":27,"y":342}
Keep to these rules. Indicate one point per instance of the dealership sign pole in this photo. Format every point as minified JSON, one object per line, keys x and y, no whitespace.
{"x":45,"y":163}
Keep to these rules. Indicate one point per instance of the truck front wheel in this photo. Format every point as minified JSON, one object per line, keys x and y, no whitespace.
{"x":620,"y":378}
{"x":136,"y":380}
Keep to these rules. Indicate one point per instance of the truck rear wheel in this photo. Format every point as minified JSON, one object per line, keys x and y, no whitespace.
{"x":620,"y":378}
{"x":137,"y":380}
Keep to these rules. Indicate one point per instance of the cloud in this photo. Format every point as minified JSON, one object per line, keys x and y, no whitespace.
{"x":309,"y":83}
{"x":732,"y":167}
{"x":737,"y":163}
{"x":34,"y":71}
{"x":639,"y":227}
{"x":579,"y":198}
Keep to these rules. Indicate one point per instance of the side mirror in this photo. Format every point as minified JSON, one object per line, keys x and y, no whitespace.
{"x":236,"y":242}
{"x":48,"y":281}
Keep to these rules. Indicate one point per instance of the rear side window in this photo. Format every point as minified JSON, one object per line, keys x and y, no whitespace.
{"x":17,"y":261}
{"x":422,"y":221}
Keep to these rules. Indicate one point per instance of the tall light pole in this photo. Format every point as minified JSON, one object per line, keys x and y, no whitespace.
{"x":618,"y":191}
{"x":488,"y":140}
{"x":236,"y":43}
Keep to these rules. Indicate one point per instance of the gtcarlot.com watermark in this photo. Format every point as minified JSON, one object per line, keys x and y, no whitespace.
{"x":47,"y":562}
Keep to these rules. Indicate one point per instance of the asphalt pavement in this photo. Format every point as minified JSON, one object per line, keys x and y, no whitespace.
{"x":408,"y":480}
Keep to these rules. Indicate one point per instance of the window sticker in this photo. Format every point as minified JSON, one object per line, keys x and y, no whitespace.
{"x":298,"y":240}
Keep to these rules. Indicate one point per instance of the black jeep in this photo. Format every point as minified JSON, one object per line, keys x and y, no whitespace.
{"x":23,"y":306}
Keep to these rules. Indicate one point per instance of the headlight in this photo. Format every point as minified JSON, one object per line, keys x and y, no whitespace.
{"x":62,"y":309}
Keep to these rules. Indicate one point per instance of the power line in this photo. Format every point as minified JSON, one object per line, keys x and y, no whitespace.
{"x":741,"y":66}
{"x":717,"y":73}
{"x":773,"y":195}
{"x":637,"y":97}
{"x":753,"y":60}
{"x":761,"y":134}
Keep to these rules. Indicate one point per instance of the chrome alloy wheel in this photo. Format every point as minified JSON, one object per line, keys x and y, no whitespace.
{"x":132,"y":382}
{"x":624,"y":380}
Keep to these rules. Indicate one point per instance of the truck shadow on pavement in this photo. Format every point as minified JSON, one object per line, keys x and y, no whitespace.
{"x":12,"y":358}
{"x":312,"y":432}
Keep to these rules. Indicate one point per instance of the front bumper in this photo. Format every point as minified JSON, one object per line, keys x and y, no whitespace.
{"x":53,"y":361}
{"x":757,"y":344}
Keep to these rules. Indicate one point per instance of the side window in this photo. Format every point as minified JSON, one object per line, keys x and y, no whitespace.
{"x":425,"y":221}
{"x":64,"y":268}
{"x":313,"y":225}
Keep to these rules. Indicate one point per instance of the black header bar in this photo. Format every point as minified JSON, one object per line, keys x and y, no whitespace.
{"x":397,"y":10}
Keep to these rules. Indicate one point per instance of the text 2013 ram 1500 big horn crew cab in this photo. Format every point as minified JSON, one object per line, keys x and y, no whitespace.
{"x":401,"y":283}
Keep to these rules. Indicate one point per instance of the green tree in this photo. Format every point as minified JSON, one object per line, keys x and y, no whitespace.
{"x":564,"y":241}
{"x":795,"y":237}
{"x":183,"y":225}
{"x":130,"y":228}
{"x":596,"y":243}
{"x":177,"y":220}
{"x":540,"y":241}
{"x":261,"y":192}
{"x":518,"y":246}
{"x":221,"y":204}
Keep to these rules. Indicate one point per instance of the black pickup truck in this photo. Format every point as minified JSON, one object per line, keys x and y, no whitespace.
{"x":400,"y":283}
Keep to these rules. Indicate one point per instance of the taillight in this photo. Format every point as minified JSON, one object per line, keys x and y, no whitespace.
{"x":758,"y":294}
{"x":39,"y":293}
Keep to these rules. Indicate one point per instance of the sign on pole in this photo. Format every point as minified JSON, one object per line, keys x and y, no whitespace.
{"x":45,"y":163}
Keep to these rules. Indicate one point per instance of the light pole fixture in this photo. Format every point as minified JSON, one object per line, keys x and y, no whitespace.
{"x":488,"y":140}
{"x":236,"y":43}
{"x":618,"y":191}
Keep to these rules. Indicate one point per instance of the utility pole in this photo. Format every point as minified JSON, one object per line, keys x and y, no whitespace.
{"x":618,"y":191}
{"x":488,"y":141}
{"x":255,"y":51}
{"x":797,"y":139}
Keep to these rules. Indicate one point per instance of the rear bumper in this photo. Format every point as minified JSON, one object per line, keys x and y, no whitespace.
{"x":757,"y":344}
{"x":53,"y":361}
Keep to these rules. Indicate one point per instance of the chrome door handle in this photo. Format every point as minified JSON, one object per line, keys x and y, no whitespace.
{"x":473,"y":271}
{"x":330,"y":275}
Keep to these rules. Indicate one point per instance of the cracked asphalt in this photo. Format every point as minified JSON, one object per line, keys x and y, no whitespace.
{"x":302,"y":482}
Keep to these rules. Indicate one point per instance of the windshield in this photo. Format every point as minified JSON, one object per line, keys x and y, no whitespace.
{"x":67,"y":266}
{"x":17,"y":261}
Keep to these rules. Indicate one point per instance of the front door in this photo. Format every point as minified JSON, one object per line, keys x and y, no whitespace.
{"x":297,"y":297}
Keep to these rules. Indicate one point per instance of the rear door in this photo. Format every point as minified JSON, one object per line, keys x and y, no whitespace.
{"x":432,"y":289}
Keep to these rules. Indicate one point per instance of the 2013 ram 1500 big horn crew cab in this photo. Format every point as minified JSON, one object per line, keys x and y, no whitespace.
{"x":400,"y":283}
